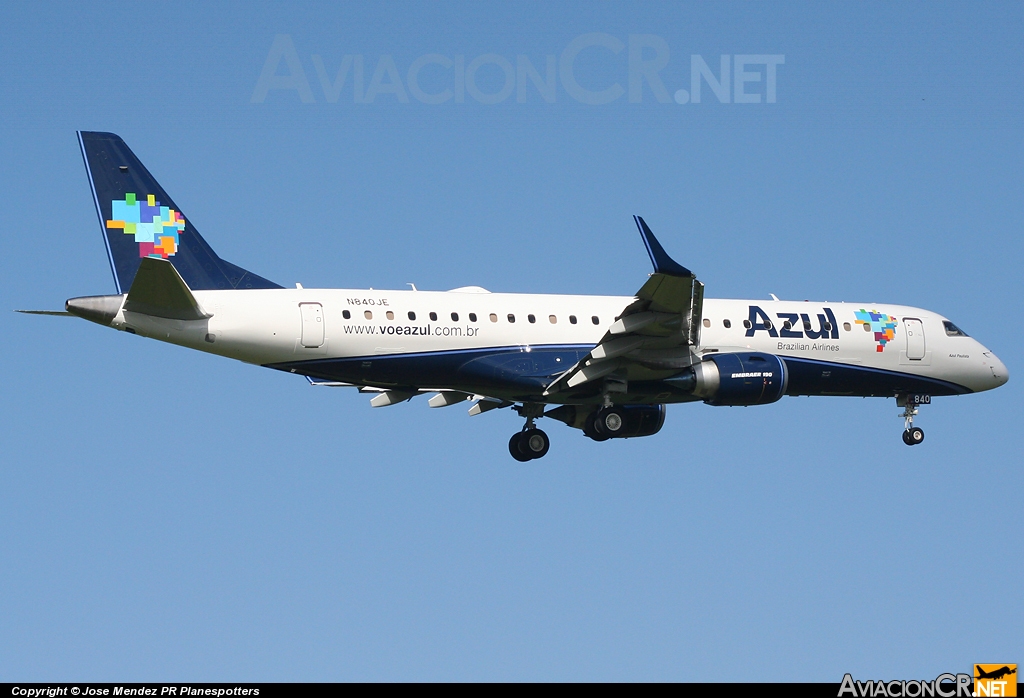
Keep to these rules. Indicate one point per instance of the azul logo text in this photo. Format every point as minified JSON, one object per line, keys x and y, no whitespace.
{"x":793,"y":325}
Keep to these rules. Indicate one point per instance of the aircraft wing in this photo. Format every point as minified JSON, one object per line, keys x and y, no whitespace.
{"x":655,"y":336}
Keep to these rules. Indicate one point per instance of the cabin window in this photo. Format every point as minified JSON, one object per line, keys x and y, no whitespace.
{"x":595,"y":319}
{"x":767,"y":325}
{"x":827,"y":327}
{"x":807,"y":325}
{"x":494,"y":318}
{"x":867,"y":326}
{"x":787,"y":325}
{"x":367,"y":314}
{"x":552,"y":319}
{"x":412,"y":315}
{"x":572,"y":319}
{"x":511,"y":317}
{"x":531,"y":318}
{"x":707,"y":323}
{"x":345,"y":314}
{"x":952,"y":330}
{"x":846,"y":326}
{"x":472,"y":317}
{"x":433,"y":316}
{"x":746,"y":323}
{"x":391,"y":315}
{"x":455,"y":317}
{"x":727,"y":323}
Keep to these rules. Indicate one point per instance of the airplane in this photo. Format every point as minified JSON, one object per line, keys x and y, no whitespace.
{"x":996,"y":674}
{"x":606,"y":365}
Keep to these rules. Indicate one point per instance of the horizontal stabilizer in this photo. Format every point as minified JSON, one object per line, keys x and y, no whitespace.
{"x":44,"y":312}
{"x":159,"y":290}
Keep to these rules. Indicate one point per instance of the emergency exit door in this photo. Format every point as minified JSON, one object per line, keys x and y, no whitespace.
{"x":312,"y":324}
{"x":915,"y":338}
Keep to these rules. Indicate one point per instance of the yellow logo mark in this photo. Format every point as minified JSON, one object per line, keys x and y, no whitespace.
{"x":995,"y":680}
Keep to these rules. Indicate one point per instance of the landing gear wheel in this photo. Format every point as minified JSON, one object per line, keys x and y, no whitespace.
{"x":906,"y":437}
{"x":592,"y":428}
{"x":534,"y":443}
{"x":529,"y":445}
{"x":514,"y":448}
{"x":915,"y":435}
{"x":611,"y":421}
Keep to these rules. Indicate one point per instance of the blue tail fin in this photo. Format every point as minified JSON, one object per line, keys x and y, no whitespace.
{"x":140,"y":220}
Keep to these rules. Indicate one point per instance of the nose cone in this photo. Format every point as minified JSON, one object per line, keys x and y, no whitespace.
{"x":999,"y":372}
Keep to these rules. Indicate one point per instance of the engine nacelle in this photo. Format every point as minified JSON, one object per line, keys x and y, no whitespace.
{"x":740,"y":379}
{"x":641,"y":420}
{"x":637,"y":420}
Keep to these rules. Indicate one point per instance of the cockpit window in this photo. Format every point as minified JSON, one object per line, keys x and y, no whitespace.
{"x":952,"y":330}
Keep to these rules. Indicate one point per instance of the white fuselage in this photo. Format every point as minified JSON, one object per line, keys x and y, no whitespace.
{"x":284,"y":326}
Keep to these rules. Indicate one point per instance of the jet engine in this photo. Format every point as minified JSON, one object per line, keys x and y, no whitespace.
{"x":630,"y":421}
{"x":739,"y":379}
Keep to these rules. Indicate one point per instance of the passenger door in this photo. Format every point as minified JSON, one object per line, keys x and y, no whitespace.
{"x":312,"y":324}
{"x":915,"y":338}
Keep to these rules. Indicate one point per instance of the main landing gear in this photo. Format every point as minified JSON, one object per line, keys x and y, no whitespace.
{"x":912,"y":435}
{"x":605,"y":423}
{"x":530,"y":443}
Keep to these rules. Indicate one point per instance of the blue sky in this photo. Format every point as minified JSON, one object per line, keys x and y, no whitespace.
{"x":166,"y":514}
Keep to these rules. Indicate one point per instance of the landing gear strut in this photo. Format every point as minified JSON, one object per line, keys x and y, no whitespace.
{"x":912,"y":435}
{"x":530,"y":443}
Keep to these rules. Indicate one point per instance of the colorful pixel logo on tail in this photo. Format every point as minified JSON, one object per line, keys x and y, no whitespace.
{"x":883,"y":326}
{"x":156,"y":228}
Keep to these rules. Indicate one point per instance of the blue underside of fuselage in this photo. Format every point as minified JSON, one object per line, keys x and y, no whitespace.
{"x":523,"y":372}
{"x":498,"y":371}
{"x":815,"y":377}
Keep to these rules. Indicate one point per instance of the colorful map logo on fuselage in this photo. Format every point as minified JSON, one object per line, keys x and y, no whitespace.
{"x":155,"y":227}
{"x":883,"y":326}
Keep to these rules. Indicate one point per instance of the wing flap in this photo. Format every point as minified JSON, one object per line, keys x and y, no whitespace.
{"x":616,"y":347}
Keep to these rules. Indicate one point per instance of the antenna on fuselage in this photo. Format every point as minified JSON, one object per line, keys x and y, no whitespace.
{"x":409,"y":283}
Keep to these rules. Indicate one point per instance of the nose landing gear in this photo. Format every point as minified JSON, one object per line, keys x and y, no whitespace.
{"x":912,"y":435}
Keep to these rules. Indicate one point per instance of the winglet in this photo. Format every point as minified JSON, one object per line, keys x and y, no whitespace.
{"x":663,"y":264}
